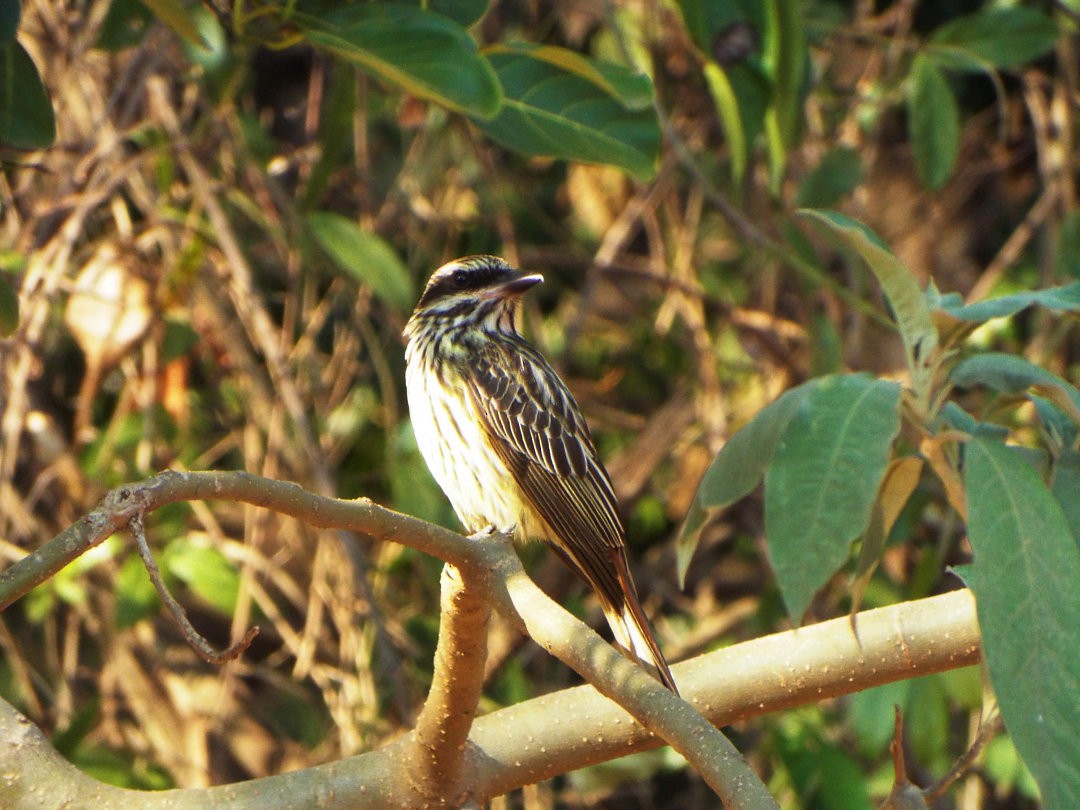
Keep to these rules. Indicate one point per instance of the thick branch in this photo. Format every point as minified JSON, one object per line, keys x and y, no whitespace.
{"x":436,"y":763}
{"x":559,"y":732}
{"x":493,"y":565}
{"x":123,"y":503}
{"x":539,"y":738}
{"x":758,"y":677}
{"x":673,"y":719}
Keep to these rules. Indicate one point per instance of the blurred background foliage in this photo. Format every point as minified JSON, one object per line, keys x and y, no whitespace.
{"x":215,"y":221}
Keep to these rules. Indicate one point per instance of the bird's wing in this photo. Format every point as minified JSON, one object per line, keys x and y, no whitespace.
{"x":537,"y":430}
{"x":540,"y":434}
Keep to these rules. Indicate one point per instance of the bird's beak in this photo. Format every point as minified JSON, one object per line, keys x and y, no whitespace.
{"x":516,"y":285}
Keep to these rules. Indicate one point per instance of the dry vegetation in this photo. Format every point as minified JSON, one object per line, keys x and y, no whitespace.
{"x":176,"y":314}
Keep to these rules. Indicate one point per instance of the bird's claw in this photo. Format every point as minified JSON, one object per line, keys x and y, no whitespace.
{"x":484,"y":533}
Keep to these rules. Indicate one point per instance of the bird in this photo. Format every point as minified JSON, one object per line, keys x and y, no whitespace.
{"x":507,"y":443}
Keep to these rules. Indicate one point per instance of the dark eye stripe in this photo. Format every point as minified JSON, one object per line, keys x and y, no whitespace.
{"x":470,"y":275}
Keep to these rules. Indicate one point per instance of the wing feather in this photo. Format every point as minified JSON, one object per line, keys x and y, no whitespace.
{"x":540,"y":434}
{"x":537,"y":430}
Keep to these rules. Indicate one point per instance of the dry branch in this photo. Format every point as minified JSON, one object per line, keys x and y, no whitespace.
{"x":565,"y":730}
{"x":492,"y":565}
{"x":539,"y":738}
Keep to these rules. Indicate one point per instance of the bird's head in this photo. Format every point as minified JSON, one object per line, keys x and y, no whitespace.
{"x":476,"y":289}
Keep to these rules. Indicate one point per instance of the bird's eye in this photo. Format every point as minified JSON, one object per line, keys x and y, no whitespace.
{"x":460,"y":279}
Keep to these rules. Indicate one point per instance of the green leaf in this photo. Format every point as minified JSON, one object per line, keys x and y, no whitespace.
{"x":1009,"y":373}
{"x":421,"y":52}
{"x":1003,"y":37}
{"x":822,"y":482}
{"x":842,"y":782}
{"x":212,"y":51}
{"x":1012,"y":374}
{"x":744,"y":49}
{"x":906,"y":298}
{"x":1068,"y":247}
{"x":552,"y":106}
{"x":69,"y":583}
{"x":837,"y":175}
{"x":1057,"y":299}
{"x":121,"y":770}
{"x":730,"y":111}
{"x":124,"y":25}
{"x":1006,"y":771}
{"x":632,"y":90}
{"x":1059,"y":430}
{"x":9,"y":309}
{"x":738,"y":467}
{"x":10,"y":12}
{"x":364,"y":256}
{"x":872,"y":718}
{"x":179,"y":17}
{"x":206,"y":571}
{"x":695,"y":20}
{"x":927,"y":721}
{"x":465,"y":13}
{"x":741,"y":464}
{"x":785,"y":61}
{"x":933,"y":122}
{"x":964,"y":686}
{"x":957,"y":417}
{"x":822,"y":774}
{"x":1024,"y":575}
{"x":26,"y":113}
{"x":826,"y":345}
{"x":1065,"y":484}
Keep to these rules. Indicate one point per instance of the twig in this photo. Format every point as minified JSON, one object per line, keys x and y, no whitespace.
{"x":1014,"y":245}
{"x":904,"y":794}
{"x":194,"y":639}
{"x":989,"y":729}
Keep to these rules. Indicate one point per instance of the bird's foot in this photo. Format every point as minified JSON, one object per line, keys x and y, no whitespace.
{"x":485,"y":533}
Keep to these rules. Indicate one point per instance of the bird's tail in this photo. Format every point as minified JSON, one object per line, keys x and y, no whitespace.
{"x":634,"y":634}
